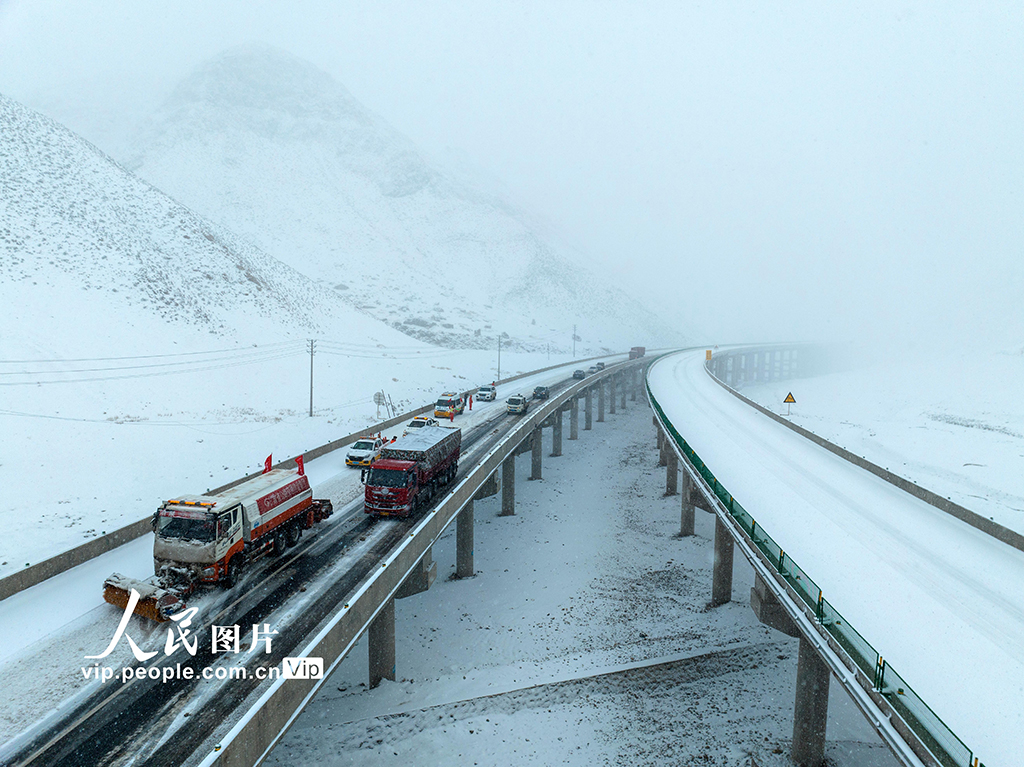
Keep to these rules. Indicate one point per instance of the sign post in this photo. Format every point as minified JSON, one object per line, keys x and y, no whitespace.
{"x":789,"y":402}
{"x":378,"y":400}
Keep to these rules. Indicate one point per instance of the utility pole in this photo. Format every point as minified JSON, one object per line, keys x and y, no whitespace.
{"x":312,"y":350}
{"x":499,"y":358}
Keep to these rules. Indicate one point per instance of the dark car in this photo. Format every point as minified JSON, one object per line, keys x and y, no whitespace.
{"x":540,"y":392}
{"x":599,"y":366}
{"x":579,"y":374}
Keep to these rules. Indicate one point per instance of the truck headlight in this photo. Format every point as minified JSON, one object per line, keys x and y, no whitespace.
{"x":209,"y":572}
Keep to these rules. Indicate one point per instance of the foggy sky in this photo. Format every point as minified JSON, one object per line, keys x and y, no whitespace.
{"x":802,"y":171}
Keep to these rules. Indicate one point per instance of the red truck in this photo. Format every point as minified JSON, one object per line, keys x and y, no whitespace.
{"x":208,"y":539}
{"x":411,"y":470}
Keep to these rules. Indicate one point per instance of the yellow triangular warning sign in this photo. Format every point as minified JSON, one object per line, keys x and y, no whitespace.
{"x":790,"y":399}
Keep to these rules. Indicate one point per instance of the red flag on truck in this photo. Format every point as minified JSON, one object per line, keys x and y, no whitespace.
{"x":267,"y":463}
{"x":298,"y":462}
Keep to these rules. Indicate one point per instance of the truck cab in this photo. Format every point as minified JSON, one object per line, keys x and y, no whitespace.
{"x":195,"y":541}
{"x":517,"y":404}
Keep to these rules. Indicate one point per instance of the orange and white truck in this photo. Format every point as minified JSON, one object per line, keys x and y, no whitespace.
{"x":208,"y":539}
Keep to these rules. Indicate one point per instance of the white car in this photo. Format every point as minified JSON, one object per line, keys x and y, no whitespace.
{"x":418,"y":423}
{"x":364,"y":452}
{"x":487,"y":393}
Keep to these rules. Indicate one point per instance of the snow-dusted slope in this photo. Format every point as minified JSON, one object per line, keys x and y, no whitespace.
{"x":90,"y":255}
{"x":278,"y":151}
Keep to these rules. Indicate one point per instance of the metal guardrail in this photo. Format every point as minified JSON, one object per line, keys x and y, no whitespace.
{"x":258,"y":731}
{"x":925,"y":724}
{"x":59,"y":563}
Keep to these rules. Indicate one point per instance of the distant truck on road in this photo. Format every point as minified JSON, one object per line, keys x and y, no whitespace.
{"x":637,"y":352}
{"x":411,"y":470}
{"x":208,"y":539}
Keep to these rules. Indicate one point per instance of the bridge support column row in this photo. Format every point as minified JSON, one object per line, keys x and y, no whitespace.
{"x":464,"y":542}
{"x":686,"y":515}
{"x":382,"y":645}
{"x":671,"y":472}
{"x":508,"y":486}
{"x":536,"y":456}
{"x":721,"y":581}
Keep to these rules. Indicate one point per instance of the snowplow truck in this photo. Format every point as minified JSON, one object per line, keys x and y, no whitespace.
{"x":208,"y":539}
{"x":411,"y":471}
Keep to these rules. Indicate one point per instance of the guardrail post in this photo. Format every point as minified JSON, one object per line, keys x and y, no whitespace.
{"x":810,"y":712}
{"x":556,"y":433}
{"x":508,"y":486}
{"x":611,"y":391}
{"x":382,"y":645}
{"x":536,"y":459}
{"x":588,"y":410}
{"x":464,"y":542}
{"x":574,"y":419}
{"x":600,"y":401}
{"x":686,"y":516}
{"x":721,"y":582}
{"x":671,"y":473}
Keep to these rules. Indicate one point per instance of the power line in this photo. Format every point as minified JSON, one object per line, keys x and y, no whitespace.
{"x":142,"y":356}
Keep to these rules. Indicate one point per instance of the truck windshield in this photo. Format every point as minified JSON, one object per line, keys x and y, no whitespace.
{"x":363,"y":445}
{"x":444,"y":404}
{"x":387,"y":478}
{"x":194,"y":527}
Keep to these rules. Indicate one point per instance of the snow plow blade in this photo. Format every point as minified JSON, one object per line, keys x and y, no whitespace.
{"x":152,"y":602}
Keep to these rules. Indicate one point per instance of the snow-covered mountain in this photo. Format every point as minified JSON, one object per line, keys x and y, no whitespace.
{"x":91,"y":255}
{"x":279,"y":152}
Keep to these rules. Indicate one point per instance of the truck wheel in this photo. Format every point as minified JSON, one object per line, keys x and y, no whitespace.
{"x":233,"y":573}
{"x":279,"y":545}
{"x":294,"y":533}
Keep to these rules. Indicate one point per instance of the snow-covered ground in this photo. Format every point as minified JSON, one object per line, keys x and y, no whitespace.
{"x":941,"y":601}
{"x":953,"y":423}
{"x":79,"y":460}
{"x":532,"y":661}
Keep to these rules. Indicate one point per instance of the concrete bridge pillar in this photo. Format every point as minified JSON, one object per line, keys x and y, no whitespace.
{"x":686,"y":515}
{"x":600,"y":402}
{"x":810,"y":712}
{"x":661,"y":434}
{"x":382,"y":645}
{"x":721,"y":583}
{"x":671,"y":472}
{"x":632,"y":384}
{"x":622,"y":404}
{"x":464,"y":542}
{"x":536,"y":456}
{"x":588,"y":410}
{"x":611,"y":391}
{"x":663,"y":448}
{"x":574,"y":419}
{"x":556,"y":433}
{"x":508,"y":486}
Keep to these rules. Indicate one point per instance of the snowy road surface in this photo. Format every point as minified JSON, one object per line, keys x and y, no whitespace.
{"x":941,"y":601}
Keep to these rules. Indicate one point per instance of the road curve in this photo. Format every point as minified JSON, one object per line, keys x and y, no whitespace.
{"x":942,"y":602}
